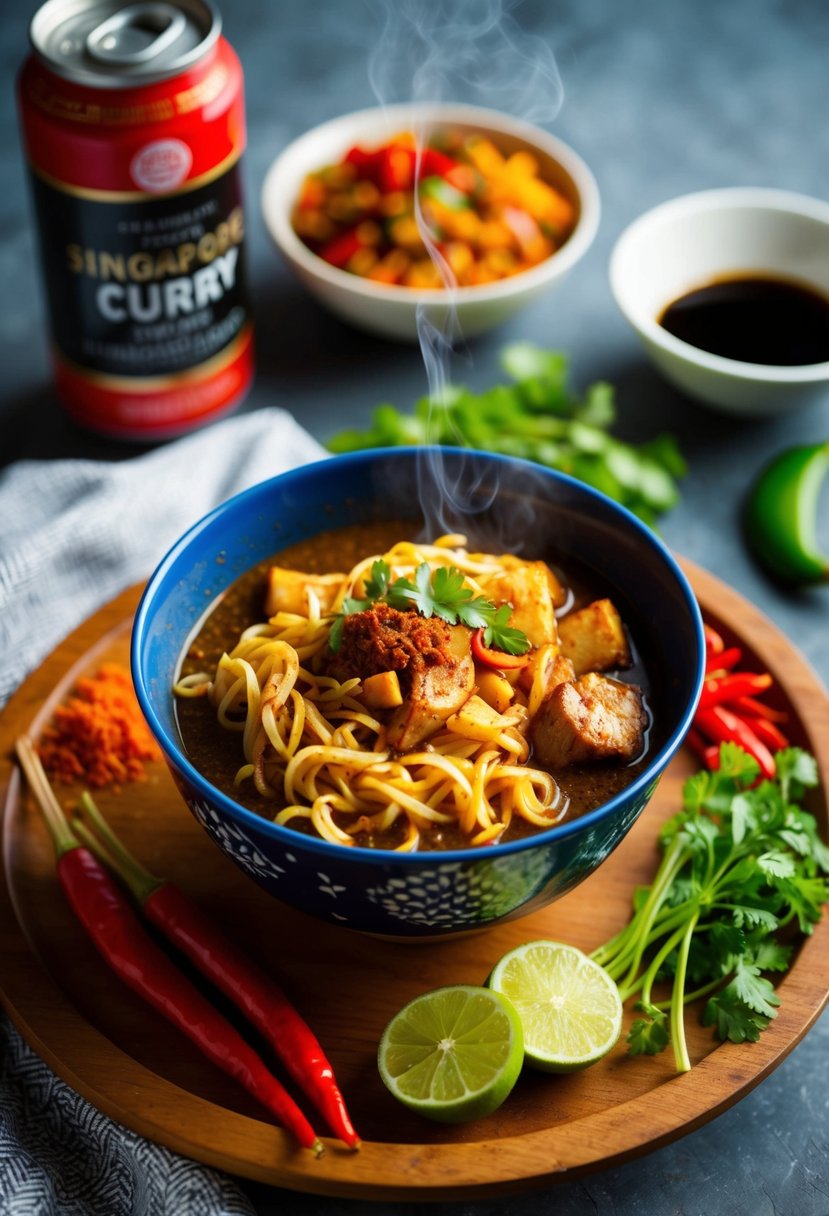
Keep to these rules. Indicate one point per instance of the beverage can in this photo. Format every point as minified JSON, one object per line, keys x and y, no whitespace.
{"x":133,"y":126}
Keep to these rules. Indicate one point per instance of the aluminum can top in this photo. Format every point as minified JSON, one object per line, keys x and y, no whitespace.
{"x":112,"y":44}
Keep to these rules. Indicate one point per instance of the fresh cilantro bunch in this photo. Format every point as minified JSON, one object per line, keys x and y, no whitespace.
{"x":741,"y":861}
{"x":441,"y":592}
{"x":539,"y":418}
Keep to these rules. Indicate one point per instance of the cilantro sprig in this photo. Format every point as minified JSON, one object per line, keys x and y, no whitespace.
{"x":741,"y":861}
{"x":441,"y":592}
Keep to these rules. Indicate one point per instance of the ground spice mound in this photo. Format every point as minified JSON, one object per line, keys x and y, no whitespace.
{"x":98,"y":736}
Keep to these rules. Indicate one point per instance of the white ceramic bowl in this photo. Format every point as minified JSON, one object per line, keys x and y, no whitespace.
{"x":391,"y":310}
{"x":685,"y":244}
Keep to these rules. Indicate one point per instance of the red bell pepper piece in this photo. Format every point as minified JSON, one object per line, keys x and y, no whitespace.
{"x":397,"y":168}
{"x":341,"y":249}
{"x":434,"y":163}
{"x":720,"y":725}
{"x":499,"y":659}
{"x":367,"y":163}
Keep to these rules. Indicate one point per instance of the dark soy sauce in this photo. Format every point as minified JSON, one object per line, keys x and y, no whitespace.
{"x":754,"y":320}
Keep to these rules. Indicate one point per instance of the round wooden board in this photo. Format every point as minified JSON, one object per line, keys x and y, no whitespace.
{"x":131,"y":1064}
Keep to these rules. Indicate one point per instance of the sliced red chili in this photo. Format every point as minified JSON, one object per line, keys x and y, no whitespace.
{"x":720,"y":725}
{"x":767,"y":732}
{"x":713,"y":641}
{"x":724,"y":660}
{"x":729,"y":688}
{"x":758,"y":709}
{"x":499,"y":659}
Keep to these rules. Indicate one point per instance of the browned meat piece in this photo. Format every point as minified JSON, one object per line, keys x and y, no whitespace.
{"x":436,"y":692}
{"x":592,"y":718}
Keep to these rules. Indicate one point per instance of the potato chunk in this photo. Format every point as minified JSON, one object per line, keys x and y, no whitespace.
{"x":382,"y":691}
{"x":593,"y":638}
{"x":593,"y":718}
{"x":286,"y":590}
{"x":529,"y":587}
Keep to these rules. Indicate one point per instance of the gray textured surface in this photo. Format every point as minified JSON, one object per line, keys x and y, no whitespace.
{"x":661,"y":98}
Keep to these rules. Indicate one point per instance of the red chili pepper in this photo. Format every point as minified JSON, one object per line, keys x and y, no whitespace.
{"x":729,"y":688}
{"x":725,"y":660}
{"x":767,"y":732}
{"x":696,"y":742}
{"x":722,"y":726}
{"x":713,"y":641}
{"x":114,"y":928}
{"x":499,"y":659}
{"x":758,"y":709}
{"x":341,"y":249}
{"x":259,"y":997}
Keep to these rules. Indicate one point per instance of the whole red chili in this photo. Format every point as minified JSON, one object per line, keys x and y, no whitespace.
{"x":258,"y":996}
{"x":125,"y":945}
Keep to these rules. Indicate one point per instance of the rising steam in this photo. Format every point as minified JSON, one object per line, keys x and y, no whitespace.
{"x":473,"y":52}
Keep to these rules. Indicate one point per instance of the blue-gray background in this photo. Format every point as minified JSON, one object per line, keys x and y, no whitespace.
{"x":661,"y":97}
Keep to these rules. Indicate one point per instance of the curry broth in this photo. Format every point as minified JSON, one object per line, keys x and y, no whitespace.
{"x":217,"y":753}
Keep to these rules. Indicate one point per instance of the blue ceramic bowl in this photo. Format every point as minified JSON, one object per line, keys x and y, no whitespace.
{"x":503,"y":504}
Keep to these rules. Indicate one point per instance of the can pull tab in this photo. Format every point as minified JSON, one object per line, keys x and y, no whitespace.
{"x":135,"y":34}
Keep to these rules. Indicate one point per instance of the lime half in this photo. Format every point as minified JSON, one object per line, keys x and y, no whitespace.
{"x":452,"y":1054}
{"x":569,"y":1006}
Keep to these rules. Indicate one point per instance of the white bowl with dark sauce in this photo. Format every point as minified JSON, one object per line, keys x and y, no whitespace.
{"x":728,"y":291}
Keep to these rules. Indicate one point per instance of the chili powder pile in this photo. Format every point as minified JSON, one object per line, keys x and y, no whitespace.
{"x":99,"y":736}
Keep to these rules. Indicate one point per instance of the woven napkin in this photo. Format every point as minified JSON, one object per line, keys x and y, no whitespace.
{"x":74,"y":533}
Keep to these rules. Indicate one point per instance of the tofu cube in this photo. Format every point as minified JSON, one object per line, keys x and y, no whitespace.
{"x":594,"y":639}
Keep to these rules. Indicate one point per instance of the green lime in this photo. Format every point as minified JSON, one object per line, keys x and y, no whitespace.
{"x":452,"y":1054}
{"x":569,"y":1006}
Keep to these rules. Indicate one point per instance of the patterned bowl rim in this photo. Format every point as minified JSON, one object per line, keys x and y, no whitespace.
{"x":289,"y":837}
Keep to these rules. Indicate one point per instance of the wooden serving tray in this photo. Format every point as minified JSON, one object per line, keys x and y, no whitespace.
{"x":98,"y":1036}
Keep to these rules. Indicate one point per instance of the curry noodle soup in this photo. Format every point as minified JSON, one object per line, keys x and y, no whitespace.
{"x":397,"y":694}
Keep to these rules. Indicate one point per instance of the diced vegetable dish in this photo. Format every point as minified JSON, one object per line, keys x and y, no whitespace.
{"x":457,"y":211}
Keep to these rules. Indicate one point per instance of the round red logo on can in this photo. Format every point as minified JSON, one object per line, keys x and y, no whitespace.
{"x":161,"y":165}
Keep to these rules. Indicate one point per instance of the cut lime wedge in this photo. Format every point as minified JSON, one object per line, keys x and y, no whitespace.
{"x":570,"y":1008}
{"x":452,"y":1054}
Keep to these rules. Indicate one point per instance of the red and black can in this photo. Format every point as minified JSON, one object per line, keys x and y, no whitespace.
{"x":133,"y":123}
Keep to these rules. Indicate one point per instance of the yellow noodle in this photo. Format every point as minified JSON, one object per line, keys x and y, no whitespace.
{"x":310,"y":743}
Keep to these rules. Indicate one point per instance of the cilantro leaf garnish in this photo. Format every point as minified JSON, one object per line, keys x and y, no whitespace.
{"x":500,"y":634}
{"x":741,"y":860}
{"x":442,"y":593}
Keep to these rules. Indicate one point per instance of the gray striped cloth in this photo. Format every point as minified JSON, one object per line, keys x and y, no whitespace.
{"x":74,"y":533}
